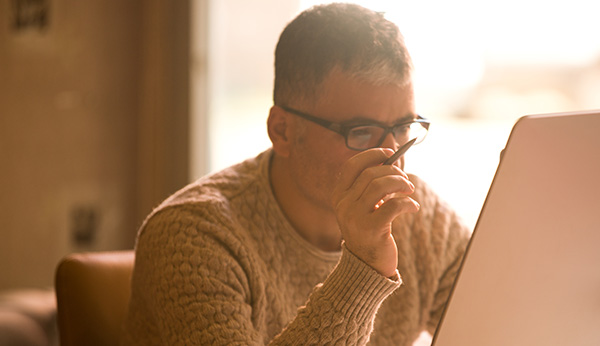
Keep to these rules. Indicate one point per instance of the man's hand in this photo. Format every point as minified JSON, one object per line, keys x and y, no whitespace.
{"x":367,"y":198}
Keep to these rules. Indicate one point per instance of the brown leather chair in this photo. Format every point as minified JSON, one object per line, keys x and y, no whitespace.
{"x":92,"y":294}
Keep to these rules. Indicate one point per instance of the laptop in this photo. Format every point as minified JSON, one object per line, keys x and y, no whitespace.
{"x":531,"y":272}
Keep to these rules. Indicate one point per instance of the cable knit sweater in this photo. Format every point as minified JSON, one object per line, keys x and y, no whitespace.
{"x":218,"y":263}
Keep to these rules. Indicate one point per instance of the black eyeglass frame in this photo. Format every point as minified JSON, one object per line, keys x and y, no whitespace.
{"x":344,"y":129}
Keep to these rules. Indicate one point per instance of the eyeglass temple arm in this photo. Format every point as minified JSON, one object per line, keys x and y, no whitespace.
{"x":325,"y":123}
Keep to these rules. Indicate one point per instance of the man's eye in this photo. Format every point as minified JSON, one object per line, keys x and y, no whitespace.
{"x":402,"y":128}
{"x":362,"y":131}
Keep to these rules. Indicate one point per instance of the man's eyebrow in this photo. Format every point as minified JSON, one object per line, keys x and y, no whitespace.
{"x":407,"y":118}
{"x":363,"y":120}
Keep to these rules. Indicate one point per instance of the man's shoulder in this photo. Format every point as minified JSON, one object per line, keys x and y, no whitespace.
{"x":215,"y":192}
{"x":436,"y":212}
{"x":223,"y":185}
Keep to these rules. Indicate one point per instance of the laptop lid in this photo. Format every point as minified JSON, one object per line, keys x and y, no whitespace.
{"x":531,"y":273}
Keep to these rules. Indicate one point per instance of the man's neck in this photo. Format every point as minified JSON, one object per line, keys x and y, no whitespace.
{"x":312,"y":222}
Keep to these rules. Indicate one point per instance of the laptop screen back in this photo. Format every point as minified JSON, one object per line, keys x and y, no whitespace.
{"x":531,"y":273}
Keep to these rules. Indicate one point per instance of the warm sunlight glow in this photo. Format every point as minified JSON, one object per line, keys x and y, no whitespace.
{"x":479,"y":66}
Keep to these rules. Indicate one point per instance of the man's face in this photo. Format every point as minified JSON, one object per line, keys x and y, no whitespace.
{"x":318,"y":153}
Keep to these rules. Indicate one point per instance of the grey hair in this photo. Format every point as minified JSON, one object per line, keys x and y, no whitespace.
{"x":360,"y":42}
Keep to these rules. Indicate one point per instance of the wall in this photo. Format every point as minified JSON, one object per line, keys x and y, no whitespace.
{"x":93,"y":110}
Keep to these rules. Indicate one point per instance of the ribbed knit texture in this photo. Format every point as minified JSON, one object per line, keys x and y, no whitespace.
{"x":218,"y":264}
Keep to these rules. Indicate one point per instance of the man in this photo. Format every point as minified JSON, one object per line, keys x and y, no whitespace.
{"x":314,"y":241}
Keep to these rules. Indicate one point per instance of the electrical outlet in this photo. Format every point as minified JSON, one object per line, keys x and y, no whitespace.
{"x":84,"y":224}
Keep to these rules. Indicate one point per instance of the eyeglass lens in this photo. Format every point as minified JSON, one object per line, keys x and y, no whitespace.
{"x":365,"y":137}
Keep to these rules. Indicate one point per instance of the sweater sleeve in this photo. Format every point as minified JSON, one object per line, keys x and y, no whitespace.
{"x":187,"y":287}
{"x":341,"y":310}
{"x":193,"y":288}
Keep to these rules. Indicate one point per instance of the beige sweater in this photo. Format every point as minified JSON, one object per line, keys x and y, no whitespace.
{"x":218,"y":263}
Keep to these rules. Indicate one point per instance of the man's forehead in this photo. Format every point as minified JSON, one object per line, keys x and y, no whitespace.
{"x":348,"y":100}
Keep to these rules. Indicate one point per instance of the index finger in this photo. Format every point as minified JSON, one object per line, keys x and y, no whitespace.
{"x":357,"y":164}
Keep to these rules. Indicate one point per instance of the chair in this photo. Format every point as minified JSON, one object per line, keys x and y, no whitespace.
{"x":92,"y":294}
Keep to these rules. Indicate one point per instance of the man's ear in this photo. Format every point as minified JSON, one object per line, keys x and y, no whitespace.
{"x":279,"y":127}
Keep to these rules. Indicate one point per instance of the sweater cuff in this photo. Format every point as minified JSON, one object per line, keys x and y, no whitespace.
{"x":355,"y":288}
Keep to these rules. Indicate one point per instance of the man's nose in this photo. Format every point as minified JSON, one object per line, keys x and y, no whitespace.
{"x":390,"y":142}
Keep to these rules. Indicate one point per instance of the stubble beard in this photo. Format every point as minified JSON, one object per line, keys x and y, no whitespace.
{"x":314,"y":178}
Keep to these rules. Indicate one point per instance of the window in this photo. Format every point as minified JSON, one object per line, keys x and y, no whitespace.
{"x":479,"y":66}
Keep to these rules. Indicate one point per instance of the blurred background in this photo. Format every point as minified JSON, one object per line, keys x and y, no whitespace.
{"x":107,"y":107}
{"x":479,"y":66}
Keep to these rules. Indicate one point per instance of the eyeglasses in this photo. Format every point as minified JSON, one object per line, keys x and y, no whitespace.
{"x":367,"y":136}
